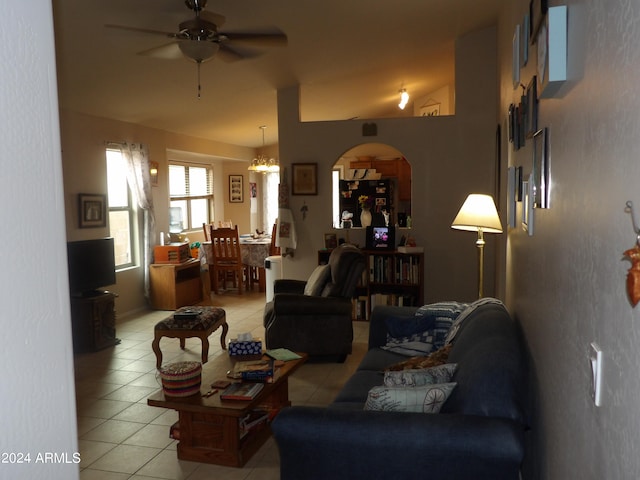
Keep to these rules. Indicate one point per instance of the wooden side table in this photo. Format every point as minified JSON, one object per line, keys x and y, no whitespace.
{"x":208,"y":320}
{"x":175,"y":285}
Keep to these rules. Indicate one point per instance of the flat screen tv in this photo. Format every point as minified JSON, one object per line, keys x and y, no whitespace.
{"x":91,"y":266}
{"x":381,"y":238}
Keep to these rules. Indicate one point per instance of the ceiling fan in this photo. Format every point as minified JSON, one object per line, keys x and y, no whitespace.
{"x":199,"y":39}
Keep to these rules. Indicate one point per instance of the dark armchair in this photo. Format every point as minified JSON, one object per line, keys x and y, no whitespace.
{"x":315,"y":316}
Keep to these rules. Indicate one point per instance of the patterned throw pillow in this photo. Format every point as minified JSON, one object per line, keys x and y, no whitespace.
{"x":420,"y":377}
{"x":426,"y":399}
{"x":439,"y":357}
{"x":423,"y":332}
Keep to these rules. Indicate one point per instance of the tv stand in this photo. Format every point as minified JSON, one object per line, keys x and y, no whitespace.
{"x":93,"y":321}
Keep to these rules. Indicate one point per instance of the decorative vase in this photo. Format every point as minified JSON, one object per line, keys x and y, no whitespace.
{"x":365,"y":217}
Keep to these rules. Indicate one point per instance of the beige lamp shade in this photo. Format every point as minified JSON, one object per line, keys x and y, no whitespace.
{"x":478,"y":212}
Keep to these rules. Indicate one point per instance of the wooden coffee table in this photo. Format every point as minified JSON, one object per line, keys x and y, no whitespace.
{"x":209,"y":427}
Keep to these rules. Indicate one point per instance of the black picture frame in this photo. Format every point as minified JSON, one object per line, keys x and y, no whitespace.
{"x":92,"y":210}
{"x":532,"y":107}
{"x":537,"y":11}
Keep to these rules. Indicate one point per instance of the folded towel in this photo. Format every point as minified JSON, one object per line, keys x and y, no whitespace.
{"x":286,"y":233}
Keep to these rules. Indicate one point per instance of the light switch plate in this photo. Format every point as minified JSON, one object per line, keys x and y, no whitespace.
{"x":595,"y":357}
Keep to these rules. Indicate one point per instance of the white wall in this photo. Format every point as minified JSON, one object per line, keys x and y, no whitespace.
{"x":566,"y":284}
{"x":38,"y":401}
{"x":450,"y":157}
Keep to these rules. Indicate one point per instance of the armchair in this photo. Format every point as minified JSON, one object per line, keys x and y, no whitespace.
{"x":314,"y":316}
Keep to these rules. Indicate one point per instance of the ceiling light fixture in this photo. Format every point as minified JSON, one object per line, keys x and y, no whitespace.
{"x":404,"y":99}
{"x":263,"y":163}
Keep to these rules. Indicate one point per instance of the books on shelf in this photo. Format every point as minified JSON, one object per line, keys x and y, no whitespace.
{"x":241,"y":391}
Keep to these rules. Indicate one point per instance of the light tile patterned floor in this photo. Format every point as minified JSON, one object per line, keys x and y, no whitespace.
{"x":122,"y":438}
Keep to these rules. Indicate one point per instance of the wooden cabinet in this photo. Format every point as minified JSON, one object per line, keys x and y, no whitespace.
{"x":93,"y":321}
{"x":175,"y":285}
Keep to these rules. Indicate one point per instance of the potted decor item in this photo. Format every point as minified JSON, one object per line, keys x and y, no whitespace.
{"x":365,"y":202}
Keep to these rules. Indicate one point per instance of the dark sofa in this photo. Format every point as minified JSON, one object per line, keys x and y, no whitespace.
{"x":479,"y":433}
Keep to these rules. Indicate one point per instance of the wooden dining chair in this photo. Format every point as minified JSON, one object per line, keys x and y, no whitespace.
{"x":227,"y":258}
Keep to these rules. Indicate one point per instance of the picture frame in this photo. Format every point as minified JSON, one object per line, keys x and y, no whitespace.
{"x":524,"y":44}
{"x":511,"y":197}
{"x":537,"y":12}
{"x":519,"y":179}
{"x":541,"y":180}
{"x":330,"y":241}
{"x":532,"y":107}
{"x":515,"y":60}
{"x":236,"y":188}
{"x":527,"y":205}
{"x":304,"y":178}
{"x":92,"y":209}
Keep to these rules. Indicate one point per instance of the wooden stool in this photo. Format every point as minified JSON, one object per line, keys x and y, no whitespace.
{"x":208,"y":320}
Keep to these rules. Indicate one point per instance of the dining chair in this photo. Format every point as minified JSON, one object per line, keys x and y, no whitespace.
{"x":227,"y":258}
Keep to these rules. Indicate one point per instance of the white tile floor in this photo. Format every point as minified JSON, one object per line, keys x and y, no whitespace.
{"x":121,"y":437}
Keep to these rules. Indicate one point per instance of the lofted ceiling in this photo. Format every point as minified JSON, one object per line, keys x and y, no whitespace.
{"x":350,"y":59}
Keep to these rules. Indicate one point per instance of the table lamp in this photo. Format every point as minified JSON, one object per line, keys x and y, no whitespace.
{"x":478,"y":214}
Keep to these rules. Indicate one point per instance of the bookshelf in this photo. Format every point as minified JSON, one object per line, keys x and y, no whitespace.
{"x":390,"y":278}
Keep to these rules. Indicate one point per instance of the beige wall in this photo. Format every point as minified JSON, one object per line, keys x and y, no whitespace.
{"x":566,"y":284}
{"x":83,"y":145}
{"x":450,"y":157}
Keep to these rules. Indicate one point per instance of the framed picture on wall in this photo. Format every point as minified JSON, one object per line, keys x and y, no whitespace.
{"x":541,"y":168}
{"x":93,"y":210}
{"x":236,"y":189}
{"x":305,"y":178}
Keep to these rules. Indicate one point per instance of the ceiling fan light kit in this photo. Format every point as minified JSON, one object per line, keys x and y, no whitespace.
{"x":199,"y":39}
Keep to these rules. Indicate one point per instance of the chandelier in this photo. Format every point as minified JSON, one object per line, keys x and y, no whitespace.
{"x":263,"y":163}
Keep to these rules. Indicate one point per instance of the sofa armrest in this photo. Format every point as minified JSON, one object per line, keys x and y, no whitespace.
{"x":378,"y":326}
{"x":287,"y":285}
{"x":320,"y":443}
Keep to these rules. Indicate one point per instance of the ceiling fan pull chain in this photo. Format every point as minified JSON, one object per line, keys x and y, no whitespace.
{"x":198,"y":64}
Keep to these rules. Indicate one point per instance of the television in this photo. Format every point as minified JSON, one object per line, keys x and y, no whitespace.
{"x":381,"y":238}
{"x":92,"y":266}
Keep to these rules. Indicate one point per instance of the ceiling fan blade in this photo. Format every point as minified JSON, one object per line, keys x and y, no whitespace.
{"x":229,"y":55}
{"x":143,"y":30}
{"x":213,"y":17}
{"x":168,"y":51}
{"x":266,"y":39}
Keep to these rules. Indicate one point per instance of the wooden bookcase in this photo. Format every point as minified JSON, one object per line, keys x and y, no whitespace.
{"x":390,"y":278}
{"x":175,"y":285}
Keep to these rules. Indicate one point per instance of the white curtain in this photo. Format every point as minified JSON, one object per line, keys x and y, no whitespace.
{"x":139,"y":178}
{"x":270,"y":183}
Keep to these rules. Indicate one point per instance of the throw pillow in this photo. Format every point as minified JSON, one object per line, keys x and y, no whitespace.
{"x":470,"y":308}
{"x":439,"y":357}
{"x":425,"y":318}
{"x":426,"y":399}
{"x":417,"y":344}
{"x":317,"y":280}
{"x":420,"y":377}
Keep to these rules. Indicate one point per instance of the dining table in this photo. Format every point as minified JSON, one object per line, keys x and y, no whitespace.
{"x":254,"y":251}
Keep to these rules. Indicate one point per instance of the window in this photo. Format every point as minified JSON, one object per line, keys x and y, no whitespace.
{"x":190,"y":197}
{"x":121,"y":209}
